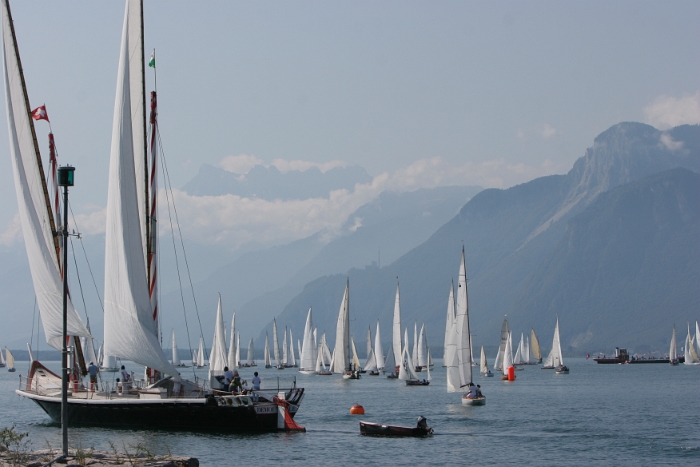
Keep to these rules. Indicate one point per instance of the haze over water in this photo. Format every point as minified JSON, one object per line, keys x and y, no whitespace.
{"x":596,"y":415}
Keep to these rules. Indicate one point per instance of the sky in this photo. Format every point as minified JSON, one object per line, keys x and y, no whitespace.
{"x":418,"y":93}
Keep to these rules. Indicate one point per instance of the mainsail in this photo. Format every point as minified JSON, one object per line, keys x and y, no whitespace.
{"x":217,"y":357}
{"x":535,"y":346}
{"x":250,"y":360}
{"x":231,"y":357}
{"x":275,"y":343}
{"x":396,"y":330}
{"x":378,"y":352}
{"x":498,"y":364}
{"x":38,"y":227}
{"x":176,"y":357}
{"x":268,"y":360}
{"x":449,"y":321}
{"x":673,"y":352}
{"x":484,"y":364}
{"x":554,"y":359}
{"x":308,"y":355}
{"x":342,"y":335}
{"x":459,"y":363}
{"x":130,"y":330}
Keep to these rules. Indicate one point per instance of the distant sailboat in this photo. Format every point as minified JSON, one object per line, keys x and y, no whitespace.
{"x":378,"y":352}
{"x":276,"y":346}
{"x":292,"y":358}
{"x":498,"y":364}
{"x":200,"y":354}
{"x":396,"y":327}
{"x":449,"y":322}
{"x":691,"y":356}
{"x":268,"y":360}
{"x":371,"y":362}
{"x":250,"y":360}
{"x":673,"y":351}
{"x":341,"y":353}
{"x":484,"y":364}
{"x":217,"y":356}
{"x":407,"y":370}
{"x":176,"y":357}
{"x":231,"y":356}
{"x":390,"y":364}
{"x":9,"y":360}
{"x":422,"y":349}
{"x":109,"y":364}
{"x":308,"y":358}
{"x":535,"y":347}
{"x":507,"y":356}
{"x":555,"y":359}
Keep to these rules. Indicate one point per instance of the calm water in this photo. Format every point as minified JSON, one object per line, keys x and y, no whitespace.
{"x":596,"y":415}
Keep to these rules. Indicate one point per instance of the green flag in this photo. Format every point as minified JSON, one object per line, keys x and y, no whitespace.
{"x":152,"y":61}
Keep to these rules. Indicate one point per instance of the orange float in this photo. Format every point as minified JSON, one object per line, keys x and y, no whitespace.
{"x":511,"y":373}
{"x":357,"y":409}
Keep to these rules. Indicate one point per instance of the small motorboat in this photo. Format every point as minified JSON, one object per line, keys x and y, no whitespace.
{"x":378,"y":429}
{"x":562,"y":370}
{"x":374,"y":373}
{"x":417,"y":382}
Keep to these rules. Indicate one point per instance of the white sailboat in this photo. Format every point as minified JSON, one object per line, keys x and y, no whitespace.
{"x":414,"y":354}
{"x":175,"y":356}
{"x":555,"y":359}
{"x":9,"y":360}
{"x":390,"y":364}
{"x":517,"y":360}
{"x":449,"y":322}
{"x":2,"y":360}
{"x":371,"y":362}
{"x":691,"y":356}
{"x":422,"y":349}
{"x":250,"y":358}
{"x":484,"y":366}
{"x":535,"y":347}
{"x":231,"y":356}
{"x":238,"y":348}
{"x":341,"y":352}
{"x":200,"y":354}
{"x":673,"y":350}
{"x":268,"y":360}
{"x":507,"y":356}
{"x":396,"y":326}
{"x":459,"y":364}
{"x":309,"y":349}
{"x":292,"y":357}
{"x":378,"y":352}
{"x":498,"y":364}
{"x":407,"y":371}
{"x":109,"y":364}
{"x":276,"y":346}
{"x":217,"y":356}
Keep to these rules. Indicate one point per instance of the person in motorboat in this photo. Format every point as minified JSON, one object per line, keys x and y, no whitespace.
{"x":473,"y":391}
{"x":478,"y":391}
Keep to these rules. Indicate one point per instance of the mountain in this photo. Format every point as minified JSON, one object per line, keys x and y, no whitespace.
{"x":258,"y":284}
{"x":270,"y":184}
{"x":508,"y":236}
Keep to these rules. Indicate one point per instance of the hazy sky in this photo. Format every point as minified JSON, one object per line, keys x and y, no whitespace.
{"x":491,"y":93}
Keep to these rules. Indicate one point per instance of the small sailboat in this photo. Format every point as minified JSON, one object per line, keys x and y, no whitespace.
{"x":449,"y":322}
{"x":217,"y":356}
{"x":268,"y":360}
{"x":507,"y":357}
{"x":484,"y":370}
{"x":231,"y":355}
{"x":691,"y":356}
{"x":9,"y":360}
{"x":673,"y":351}
{"x":355,"y":365}
{"x":176,"y":357}
{"x":309,"y":350}
{"x":535,"y":347}
{"x":292,"y":359}
{"x":554,"y":359}
{"x":371,"y":363}
{"x":200,"y":354}
{"x":378,"y":353}
{"x":250,"y":360}
{"x":109,"y":364}
{"x":341,"y":353}
{"x":276,"y":346}
{"x":397,"y":349}
{"x":407,"y":370}
{"x":422,"y":349}
{"x":498,"y":364}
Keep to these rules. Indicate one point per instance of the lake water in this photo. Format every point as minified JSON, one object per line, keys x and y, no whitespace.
{"x":596,"y":415}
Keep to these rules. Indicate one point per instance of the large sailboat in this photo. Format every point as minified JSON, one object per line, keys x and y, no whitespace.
{"x":458,"y":354}
{"x":166,"y":401}
{"x":342,"y":363}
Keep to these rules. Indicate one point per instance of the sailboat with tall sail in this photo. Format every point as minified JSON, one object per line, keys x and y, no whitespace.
{"x":201,"y":362}
{"x":396,"y":329}
{"x":673,"y":350}
{"x":498,"y":364}
{"x":2,"y":360}
{"x":691,"y":356}
{"x":217,"y":356}
{"x":371,"y":362}
{"x":535,"y":347}
{"x":449,"y":322}
{"x":231,"y":355}
{"x":309,"y":349}
{"x":507,"y":357}
{"x":341,"y":352}
{"x":459,"y":359}
{"x":276,"y":346}
{"x":555,"y":359}
{"x":268,"y":360}
{"x":165,"y":401}
{"x":407,"y":371}
{"x":484,"y":366}
{"x":250,"y":357}
{"x":9,"y":360}
{"x":176,"y":357}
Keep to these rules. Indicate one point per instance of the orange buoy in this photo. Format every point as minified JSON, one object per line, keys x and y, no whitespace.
{"x":357,"y":409}
{"x":511,"y":373}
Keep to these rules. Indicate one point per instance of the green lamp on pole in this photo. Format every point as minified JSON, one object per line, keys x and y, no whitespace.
{"x":65,"y":179}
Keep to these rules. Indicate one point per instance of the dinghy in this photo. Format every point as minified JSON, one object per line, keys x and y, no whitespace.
{"x":378,"y":429}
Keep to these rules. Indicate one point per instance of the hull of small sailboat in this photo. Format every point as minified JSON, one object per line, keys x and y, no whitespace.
{"x":562,"y":370}
{"x":481,"y":400}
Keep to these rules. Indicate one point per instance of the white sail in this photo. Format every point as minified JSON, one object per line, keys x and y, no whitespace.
{"x":673,"y":352}
{"x":2,"y":358}
{"x":371,"y":364}
{"x":414,"y":354}
{"x":319,"y":367}
{"x":217,"y":356}
{"x":410,"y":367}
{"x":231,"y":357}
{"x":299,"y":348}
{"x":526,"y":351}
{"x":429,"y":378}
{"x":342,"y":335}
{"x":176,"y":357}
{"x":691,"y":356}
{"x":484,"y":364}
{"x":268,"y":360}
{"x":378,"y":352}
{"x":34,"y":212}
{"x":396,"y":329}
{"x":332,"y":364}
{"x":498,"y":364}
{"x":238,"y":349}
{"x":109,"y":362}
{"x":535,"y":343}
{"x":292,"y":358}
{"x":308,"y":356}
{"x":422,"y":348}
{"x":462,"y":334}
{"x":130,"y":331}
{"x":403,"y":373}
{"x":250,"y":360}
{"x":326,"y":351}
{"x":285,"y":349}
{"x":275,"y":343}
{"x":9,"y":359}
{"x":449,"y":321}
{"x":369,"y":342}
{"x":88,"y":349}
{"x":200,"y":353}
{"x":697,"y":335}
{"x":518,"y":359}
{"x":451,"y":361}
{"x":554,"y":359}
{"x":355,"y":358}
{"x":508,"y":354}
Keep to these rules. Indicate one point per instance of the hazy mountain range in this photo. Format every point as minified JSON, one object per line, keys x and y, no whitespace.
{"x":611,"y":247}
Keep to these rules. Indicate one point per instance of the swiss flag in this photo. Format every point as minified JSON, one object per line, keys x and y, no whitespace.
{"x":40,"y":113}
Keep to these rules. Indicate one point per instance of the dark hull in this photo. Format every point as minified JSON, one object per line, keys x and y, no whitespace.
{"x":377,"y":429}
{"x":618,"y":360}
{"x":173,"y":416}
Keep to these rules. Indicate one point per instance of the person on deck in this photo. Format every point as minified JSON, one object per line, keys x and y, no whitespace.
{"x":92,"y":371}
{"x":236,"y":385}
{"x":472,"y":391}
{"x":256,"y":381}
{"x":126,"y":377}
{"x":228,"y":376}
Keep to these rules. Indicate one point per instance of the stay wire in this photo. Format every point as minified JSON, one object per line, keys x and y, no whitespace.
{"x":87,"y":261}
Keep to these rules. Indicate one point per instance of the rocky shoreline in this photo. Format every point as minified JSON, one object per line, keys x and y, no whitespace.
{"x":93,"y":458}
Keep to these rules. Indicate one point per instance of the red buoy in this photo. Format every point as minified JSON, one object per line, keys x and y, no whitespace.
{"x":511,"y":373}
{"x":357,"y":409}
